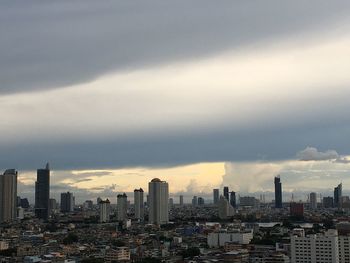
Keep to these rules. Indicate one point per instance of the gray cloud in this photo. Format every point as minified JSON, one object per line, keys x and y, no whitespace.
{"x":50,"y":45}
{"x":312,"y":154}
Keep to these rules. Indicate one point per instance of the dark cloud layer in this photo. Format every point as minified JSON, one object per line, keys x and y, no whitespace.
{"x":47,"y":44}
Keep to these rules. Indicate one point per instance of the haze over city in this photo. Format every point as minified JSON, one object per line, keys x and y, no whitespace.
{"x":199,"y":94}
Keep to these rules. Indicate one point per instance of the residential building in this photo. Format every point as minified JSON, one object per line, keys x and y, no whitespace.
{"x":313,"y":201}
{"x":42,"y":193}
{"x":105,"y":210}
{"x":67,"y":202}
{"x":122,"y":207}
{"x":158,"y":201}
{"x":8,"y":195}
{"x":139,"y":204}
{"x":216,"y":196}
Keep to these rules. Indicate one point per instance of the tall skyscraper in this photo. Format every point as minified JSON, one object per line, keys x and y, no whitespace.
{"x":233,"y":199}
{"x":122,"y":207}
{"x":8,"y":196}
{"x":181,"y":200}
{"x":67,"y":202}
{"x":158,"y":201}
{"x":338,"y":195}
{"x":216,"y":196}
{"x":42,"y":192}
{"x":105,"y":210}
{"x":313,"y":201}
{"x":226,"y":193}
{"x":138,"y":204}
{"x":195,"y":201}
{"x":278,"y":192}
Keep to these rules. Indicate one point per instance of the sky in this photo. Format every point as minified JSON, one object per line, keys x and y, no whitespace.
{"x":199,"y":93}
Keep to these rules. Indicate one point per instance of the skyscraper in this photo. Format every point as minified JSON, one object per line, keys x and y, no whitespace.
{"x":216,"y":196}
{"x":138,"y":204}
{"x":233,"y":199}
{"x":313,"y":201}
{"x":8,"y":196}
{"x":338,"y":195}
{"x":105,"y":210}
{"x":225,"y":209}
{"x":158,"y":201}
{"x":226,"y":193}
{"x":42,"y":193}
{"x":67,"y":202}
{"x":122,"y":207}
{"x":278,"y":192}
{"x":181,"y":200}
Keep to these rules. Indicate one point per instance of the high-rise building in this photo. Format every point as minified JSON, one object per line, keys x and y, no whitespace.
{"x":278,"y":192}
{"x":313,"y":201}
{"x":296,"y":209}
{"x":171,"y":202}
{"x":42,"y":192}
{"x":195,"y":201}
{"x":181,"y":200}
{"x":315,"y":248}
{"x":233,"y":202}
{"x":105,"y":210}
{"x":200,"y":201}
{"x":88,"y":205}
{"x":225,"y":209}
{"x":138,"y":204}
{"x":216,"y":196}
{"x":158,"y":201}
{"x":328,"y":202}
{"x":8,"y":196}
{"x":67,"y":202}
{"x":122,"y":207}
{"x":226,"y":193}
{"x":338,"y":196}
{"x":52,"y":205}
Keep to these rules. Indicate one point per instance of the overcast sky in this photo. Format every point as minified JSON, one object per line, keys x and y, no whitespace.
{"x":91,"y":85}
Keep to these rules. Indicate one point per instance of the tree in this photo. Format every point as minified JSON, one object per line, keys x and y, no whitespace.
{"x":191,"y":252}
{"x":70,"y":239}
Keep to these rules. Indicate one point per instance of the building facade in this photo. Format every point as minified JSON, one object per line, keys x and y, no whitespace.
{"x":42,"y":193}
{"x":158,"y":202}
{"x":139,"y":204}
{"x":8,"y":195}
{"x":278,"y":192}
{"x":122,"y":207}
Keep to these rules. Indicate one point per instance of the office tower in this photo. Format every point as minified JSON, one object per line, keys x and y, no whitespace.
{"x":8,"y":196}
{"x":67,"y":202}
{"x":313,"y":201}
{"x":338,"y":196}
{"x":181,"y":200}
{"x":278,"y":192}
{"x":105,"y":210}
{"x":171,"y":202}
{"x":158,"y":201}
{"x":122,"y":207}
{"x":328,"y":202}
{"x":24,"y":203}
{"x":233,"y":199}
{"x":216,"y":196}
{"x":296,"y":209}
{"x":195,"y":201}
{"x":225,"y":209}
{"x":52,"y":205}
{"x":315,"y":248}
{"x":138,"y":204}
{"x":226,"y":193}
{"x":200,"y":201}
{"x":42,"y":193}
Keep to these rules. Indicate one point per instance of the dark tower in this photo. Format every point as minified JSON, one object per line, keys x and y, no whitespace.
{"x":233,"y":199}
{"x":42,"y":193}
{"x":278,"y":192}
{"x":226,"y":194}
{"x":338,"y":196}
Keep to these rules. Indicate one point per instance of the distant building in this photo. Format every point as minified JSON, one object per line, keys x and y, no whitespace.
{"x":8,"y":196}
{"x":195,"y":201}
{"x":216,"y":196}
{"x":181,"y":200}
{"x":158,"y":202}
{"x":88,"y":205}
{"x":67,"y":202}
{"x":105,"y":210}
{"x":171,"y":202}
{"x":24,"y":203}
{"x":42,"y":193}
{"x":233,"y":199}
{"x":52,"y":204}
{"x":225,"y":209}
{"x":297,"y":209}
{"x":249,"y":201}
{"x":139,"y":204}
{"x":122,"y":207}
{"x":278,"y":192}
{"x":200,"y":201}
{"x":219,"y":239}
{"x":313,"y":201}
{"x":328,"y":202}
{"x":338,"y":195}
{"x":226,"y":193}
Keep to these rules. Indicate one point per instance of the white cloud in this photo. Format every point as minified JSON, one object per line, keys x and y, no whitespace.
{"x":312,"y":154}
